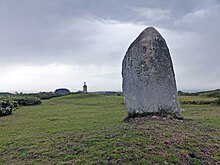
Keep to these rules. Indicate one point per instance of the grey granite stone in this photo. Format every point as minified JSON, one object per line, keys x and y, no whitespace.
{"x":149,"y":84}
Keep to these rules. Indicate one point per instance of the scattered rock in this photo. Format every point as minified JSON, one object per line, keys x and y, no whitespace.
{"x":155,"y":117}
{"x":142,"y":119}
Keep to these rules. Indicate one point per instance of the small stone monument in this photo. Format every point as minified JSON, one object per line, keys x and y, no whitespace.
{"x":85,"y":88}
{"x":149,"y":84}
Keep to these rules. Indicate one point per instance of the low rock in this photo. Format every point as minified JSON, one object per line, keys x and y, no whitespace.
{"x":62,"y":91}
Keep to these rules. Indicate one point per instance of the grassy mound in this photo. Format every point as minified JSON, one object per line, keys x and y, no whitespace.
{"x":89,"y":129}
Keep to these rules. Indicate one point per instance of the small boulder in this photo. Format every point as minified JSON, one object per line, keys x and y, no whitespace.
{"x":62,"y":91}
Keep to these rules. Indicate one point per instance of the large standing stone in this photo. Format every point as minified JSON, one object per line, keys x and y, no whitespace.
{"x":149,"y":84}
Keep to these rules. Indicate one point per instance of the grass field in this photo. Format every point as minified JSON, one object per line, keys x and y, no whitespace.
{"x":197,"y":100}
{"x":89,"y":129}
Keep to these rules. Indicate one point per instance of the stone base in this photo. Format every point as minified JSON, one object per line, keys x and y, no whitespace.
{"x":159,"y":114}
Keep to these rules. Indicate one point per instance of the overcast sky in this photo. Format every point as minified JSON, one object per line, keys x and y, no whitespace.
{"x":47,"y":44}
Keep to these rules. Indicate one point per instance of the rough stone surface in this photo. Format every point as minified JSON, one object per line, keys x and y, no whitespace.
{"x":62,"y":91}
{"x":149,"y":84}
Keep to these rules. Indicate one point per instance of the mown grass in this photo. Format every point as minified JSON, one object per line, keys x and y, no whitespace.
{"x":89,"y":129}
{"x":197,"y":100}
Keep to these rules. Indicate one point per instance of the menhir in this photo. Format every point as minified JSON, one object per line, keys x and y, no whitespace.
{"x":149,"y":84}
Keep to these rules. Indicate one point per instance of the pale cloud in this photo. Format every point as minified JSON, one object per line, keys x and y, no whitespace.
{"x":76,"y":41}
{"x":152,"y":14}
{"x":200,"y":16}
{"x":195,"y":65}
{"x":77,"y":50}
{"x":49,"y":77}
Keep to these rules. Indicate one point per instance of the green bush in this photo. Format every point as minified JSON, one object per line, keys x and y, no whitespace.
{"x":40,"y":95}
{"x":218,"y":101}
{"x":214,"y":93}
{"x":198,"y":102}
{"x":27,"y":101}
{"x":211,"y":93}
{"x":46,"y":95}
{"x":7,"y":105}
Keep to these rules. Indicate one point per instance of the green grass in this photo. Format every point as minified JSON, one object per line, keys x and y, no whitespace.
{"x":89,"y":129}
{"x":197,"y":100}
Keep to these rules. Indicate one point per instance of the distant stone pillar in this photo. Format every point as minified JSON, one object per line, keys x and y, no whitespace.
{"x":85,"y":88}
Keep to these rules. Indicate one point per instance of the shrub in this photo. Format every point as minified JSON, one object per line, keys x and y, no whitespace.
{"x":40,"y":95}
{"x":198,"y":102}
{"x":7,"y":105}
{"x":46,"y":95}
{"x":27,"y":101}
{"x":218,"y":101}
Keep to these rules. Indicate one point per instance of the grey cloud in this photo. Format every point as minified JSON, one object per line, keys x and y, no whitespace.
{"x":97,"y":32}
